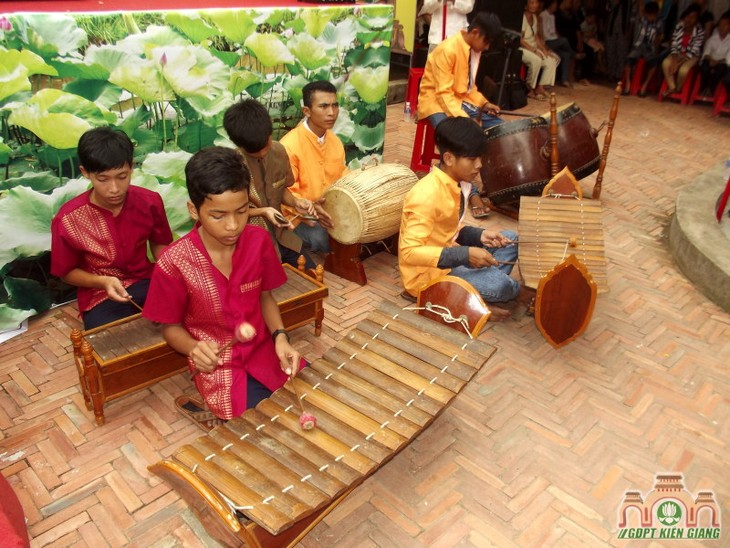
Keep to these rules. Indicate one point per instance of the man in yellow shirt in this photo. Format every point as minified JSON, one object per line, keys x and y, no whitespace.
{"x":317,"y":159}
{"x":448,"y":87}
{"x":433,"y":241}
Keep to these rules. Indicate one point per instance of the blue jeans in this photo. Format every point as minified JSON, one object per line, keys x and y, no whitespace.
{"x":493,"y":283}
{"x":291,"y":257}
{"x":314,"y":237}
{"x":487,"y":119}
{"x":110,"y":311}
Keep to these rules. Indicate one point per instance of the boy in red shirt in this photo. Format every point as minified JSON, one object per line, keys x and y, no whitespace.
{"x":213,"y":279}
{"x":99,"y":239}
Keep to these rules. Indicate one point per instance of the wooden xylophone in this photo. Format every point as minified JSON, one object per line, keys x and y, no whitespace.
{"x":372,"y":393}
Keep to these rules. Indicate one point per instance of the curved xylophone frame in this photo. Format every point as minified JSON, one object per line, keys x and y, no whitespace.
{"x":261,"y":480}
{"x":455,"y":303}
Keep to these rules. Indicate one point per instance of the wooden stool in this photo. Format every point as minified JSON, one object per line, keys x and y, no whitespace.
{"x":129,"y":354}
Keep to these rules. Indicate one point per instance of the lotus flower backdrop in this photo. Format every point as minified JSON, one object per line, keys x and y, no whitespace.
{"x":164,"y":78}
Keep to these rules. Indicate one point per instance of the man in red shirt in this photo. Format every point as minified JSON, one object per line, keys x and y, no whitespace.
{"x":99,"y":239}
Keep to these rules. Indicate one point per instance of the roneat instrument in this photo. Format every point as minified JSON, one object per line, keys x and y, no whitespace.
{"x":260,"y":479}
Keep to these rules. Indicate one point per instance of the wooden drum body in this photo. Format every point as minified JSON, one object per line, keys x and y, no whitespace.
{"x":366,"y":204}
{"x":516,"y":160}
{"x":577,"y":144}
{"x":375,"y":391}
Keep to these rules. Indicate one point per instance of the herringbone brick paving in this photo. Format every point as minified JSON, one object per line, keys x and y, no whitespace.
{"x":537,"y":450}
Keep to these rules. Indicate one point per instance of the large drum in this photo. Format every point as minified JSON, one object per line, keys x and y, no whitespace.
{"x":516,"y":161}
{"x":577,"y":145}
{"x":517,"y":158}
{"x":366,"y":204}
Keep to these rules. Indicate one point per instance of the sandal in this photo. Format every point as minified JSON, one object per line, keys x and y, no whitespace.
{"x":196,"y":411}
{"x":538,"y":96}
{"x":485,"y":211}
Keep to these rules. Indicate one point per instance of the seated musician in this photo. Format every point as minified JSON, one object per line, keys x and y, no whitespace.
{"x":433,"y":241}
{"x":99,"y":239}
{"x":214,"y":279}
{"x":317,"y":159}
{"x":448,"y":86}
{"x":249,"y":126}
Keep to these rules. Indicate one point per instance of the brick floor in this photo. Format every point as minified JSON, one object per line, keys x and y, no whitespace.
{"x":537,"y":450}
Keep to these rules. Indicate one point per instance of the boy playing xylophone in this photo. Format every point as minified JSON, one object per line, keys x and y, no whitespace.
{"x":99,"y":239}
{"x":215,"y":278}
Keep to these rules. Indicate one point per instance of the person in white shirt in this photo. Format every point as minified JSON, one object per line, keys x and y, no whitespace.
{"x":456,"y":12}
{"x":713,"y":65}
{"x":558,"y":44}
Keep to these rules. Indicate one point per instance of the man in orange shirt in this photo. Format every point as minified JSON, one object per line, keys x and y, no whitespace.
{"x":433,"y":240}
{"x":448,"y":87}
{"x":317,"y":159}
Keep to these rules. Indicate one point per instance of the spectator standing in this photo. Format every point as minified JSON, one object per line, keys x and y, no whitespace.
{"x":447,"y":18}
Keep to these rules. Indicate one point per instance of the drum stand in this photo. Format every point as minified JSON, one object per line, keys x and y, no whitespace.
{"x":344,"y":261}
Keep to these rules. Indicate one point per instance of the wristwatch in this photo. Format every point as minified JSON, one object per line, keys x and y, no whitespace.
{"x":279,"y":332}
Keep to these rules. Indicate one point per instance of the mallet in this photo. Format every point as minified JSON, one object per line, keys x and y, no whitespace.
{"x":307,"y":421}
{"x":244,"y":332}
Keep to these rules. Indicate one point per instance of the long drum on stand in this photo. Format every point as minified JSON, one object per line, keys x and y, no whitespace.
{"x":366,"y":204}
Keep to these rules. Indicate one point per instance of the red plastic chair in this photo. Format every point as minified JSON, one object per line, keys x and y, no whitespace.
{"x":424,"y":152}
{"x":695,"y":95}
{"x":719,"y":106}
{"x":638,"y":76}
{"x":683,"y":94}
{"x":414,"y":81}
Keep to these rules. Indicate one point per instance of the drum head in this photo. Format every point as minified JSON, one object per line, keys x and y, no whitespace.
{"x":346,"y":215}
{"x":559,"y":110}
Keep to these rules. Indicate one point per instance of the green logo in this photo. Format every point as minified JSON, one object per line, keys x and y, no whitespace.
{"x":669,"y":513}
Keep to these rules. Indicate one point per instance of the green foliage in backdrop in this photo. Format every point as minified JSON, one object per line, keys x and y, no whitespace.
{"x":164,"y":78}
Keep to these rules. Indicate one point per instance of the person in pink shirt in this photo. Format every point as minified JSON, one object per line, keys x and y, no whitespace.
{"x":99,"y":239}
{"x":214,"y":279}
